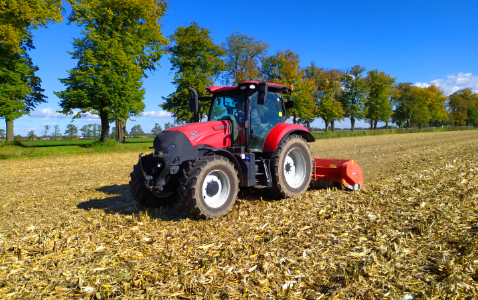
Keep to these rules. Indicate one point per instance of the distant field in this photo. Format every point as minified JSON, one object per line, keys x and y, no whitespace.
{"x":78,"y":142}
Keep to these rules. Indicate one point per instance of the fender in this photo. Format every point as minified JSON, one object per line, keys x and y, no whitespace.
{"x":281,"y":131}
{"x":223,"y":152}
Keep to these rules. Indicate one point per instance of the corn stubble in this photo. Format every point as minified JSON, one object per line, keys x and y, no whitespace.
{"x":69,"y":229}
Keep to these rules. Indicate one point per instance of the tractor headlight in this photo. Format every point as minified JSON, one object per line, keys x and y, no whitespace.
{"x":252,"y":86}
{"x":243,"y":87}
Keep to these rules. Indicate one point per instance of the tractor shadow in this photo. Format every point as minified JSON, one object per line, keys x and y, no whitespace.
{"x":120,"y":201}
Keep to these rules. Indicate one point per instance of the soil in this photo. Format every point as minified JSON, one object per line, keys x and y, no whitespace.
{"x":70,"y":228}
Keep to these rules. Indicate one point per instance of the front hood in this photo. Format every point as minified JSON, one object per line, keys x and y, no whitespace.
{"x":212,"y":133}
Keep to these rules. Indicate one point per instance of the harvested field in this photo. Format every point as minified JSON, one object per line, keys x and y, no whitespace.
{"x":70,"y":229}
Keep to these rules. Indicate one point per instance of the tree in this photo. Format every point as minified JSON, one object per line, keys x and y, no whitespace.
{"x":378,"y":106}
{"x":31,"y":135}
{"x":86,"y":131}
{"x":45,"y":131}
{"x":196,"y":61}
{"x":136,"y":131}
{"x":242,"y":57}
{"x":95,"y":128}
{"x":121,"y":40}
{"x":283,"y":68}
{"x":354,"y":94}
{"x":71,"y":130}
{"x":168,"y":125}
{"x":20,"y":89}
{"x":462,"y":105}
{"x":56,"y":132}
{"x":156,"y":129}
{"x":2,"y":134}
{"x":113,"y":131}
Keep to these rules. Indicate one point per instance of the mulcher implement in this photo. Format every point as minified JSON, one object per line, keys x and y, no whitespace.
{"x":245,"y":143}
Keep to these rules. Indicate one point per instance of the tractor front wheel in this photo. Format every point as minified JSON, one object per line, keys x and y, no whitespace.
{"x":141,"y":193}
{"x":209,"y":189}
{"x":291,"y":167}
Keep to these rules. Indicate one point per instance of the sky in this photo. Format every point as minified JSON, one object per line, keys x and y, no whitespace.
{"x":422,"y":42}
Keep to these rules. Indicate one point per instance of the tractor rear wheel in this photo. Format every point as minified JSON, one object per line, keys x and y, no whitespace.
{"x":209,"y":189}
{"x":141,"y":193}
{"x":291,"y":167}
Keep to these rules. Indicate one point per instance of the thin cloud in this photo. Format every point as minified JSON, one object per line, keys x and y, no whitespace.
{"x":157,"y":114}
{"x":47,"y":114}
{"x":453,"y":83}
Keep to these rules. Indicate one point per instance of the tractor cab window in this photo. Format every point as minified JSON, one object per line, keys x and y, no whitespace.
{"x":264,"y":118}
{"x":230,"y":107}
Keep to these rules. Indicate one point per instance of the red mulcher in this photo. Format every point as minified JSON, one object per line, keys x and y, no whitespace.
{"x":244,"y":143}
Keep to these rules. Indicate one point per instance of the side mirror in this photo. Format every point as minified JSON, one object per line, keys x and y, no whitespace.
{"x":262,"y":90}
{"x":289,"y":104}
{"x":193,"y":103}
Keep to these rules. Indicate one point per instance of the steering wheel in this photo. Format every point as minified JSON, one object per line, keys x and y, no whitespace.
{"x":239,"y":116}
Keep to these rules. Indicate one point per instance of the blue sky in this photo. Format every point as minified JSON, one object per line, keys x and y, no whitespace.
{"x":423,"y":42}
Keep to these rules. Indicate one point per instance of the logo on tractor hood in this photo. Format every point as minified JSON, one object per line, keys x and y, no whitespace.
{"x":193,"y":134}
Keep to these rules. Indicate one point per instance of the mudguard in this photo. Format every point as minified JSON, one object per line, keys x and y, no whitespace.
{"x":281,"y":131}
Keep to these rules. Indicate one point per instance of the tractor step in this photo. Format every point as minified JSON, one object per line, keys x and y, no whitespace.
{"x":346,"y":173}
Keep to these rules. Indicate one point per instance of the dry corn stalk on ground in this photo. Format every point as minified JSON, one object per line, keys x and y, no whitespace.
{"x":70,"y":229}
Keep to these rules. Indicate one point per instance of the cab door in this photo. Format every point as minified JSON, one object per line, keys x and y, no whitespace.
{"x":264,"y":118}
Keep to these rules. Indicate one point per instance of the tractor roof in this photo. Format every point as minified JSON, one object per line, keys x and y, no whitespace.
{"x":218,"y":89}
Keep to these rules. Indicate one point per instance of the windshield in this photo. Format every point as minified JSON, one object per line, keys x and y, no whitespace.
{"x":231,"y":107}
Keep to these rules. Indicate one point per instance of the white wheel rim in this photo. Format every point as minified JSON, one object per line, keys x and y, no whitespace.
{"x":294,"y":168}
{"x":216,"y":188}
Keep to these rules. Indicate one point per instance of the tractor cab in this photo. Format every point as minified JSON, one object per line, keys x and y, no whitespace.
{"x":252,"y":108}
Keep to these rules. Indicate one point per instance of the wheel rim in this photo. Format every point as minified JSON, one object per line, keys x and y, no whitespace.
{"x":216,"y":188}
{"x":294,"y":168}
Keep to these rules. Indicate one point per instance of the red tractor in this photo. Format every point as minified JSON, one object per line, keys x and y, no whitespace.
{"x":245,"y":143}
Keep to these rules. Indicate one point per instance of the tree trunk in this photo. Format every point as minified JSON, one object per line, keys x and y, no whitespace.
{"x":371,"y":124}
{"x":332,"y":125}
{"x":308,"y":125}
{"x":419,"y":125}
{"x":408,"y":124}
{"x":10,"y":136}
{"x":120,"y":130}
{"x":375,"y":125}
{"x":326,"y":125}
{"x":105,"y":126}
{"x":294,"y":119}
{"x":352,"y":123}
{"x":386,"y":125}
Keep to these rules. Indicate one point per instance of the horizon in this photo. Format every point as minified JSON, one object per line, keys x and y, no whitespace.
{"x":423,"y":43}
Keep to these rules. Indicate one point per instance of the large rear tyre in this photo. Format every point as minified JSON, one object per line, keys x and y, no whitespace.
{"x":142,"y":194}
{"x":291,"y":167}
{"x":209,"y":189}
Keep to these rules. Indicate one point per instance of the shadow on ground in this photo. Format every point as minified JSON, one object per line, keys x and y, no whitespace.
{"x":121,"y":201}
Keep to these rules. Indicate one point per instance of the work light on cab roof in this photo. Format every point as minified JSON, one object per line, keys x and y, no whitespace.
{"x":246,"y":142}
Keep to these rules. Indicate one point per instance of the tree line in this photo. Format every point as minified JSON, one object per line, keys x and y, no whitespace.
{"x":122,"y":40}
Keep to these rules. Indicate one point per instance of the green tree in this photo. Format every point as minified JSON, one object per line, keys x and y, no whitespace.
{"x":461,"y":106}
{"x":156,"y":129}
{"x":71,"y":130}
{"x":168,"y":125}
{"x":121,"y":40}
{"x":20,"y":89}
{"x":283,"y":68}
{"x":31,"y":135}
{"x":136,"y":131}
{"x":354,"y":94}
{"x":86,"y":131}
{"x":196,"y":61}
{"x":113,"y":131}
{"x":403,"y":95}
{"x":96,"y":129}
{"x":243,"y":55}
{"x":378,"y":106}
{"x":2,"y":134}
{"x":438,"y":111}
